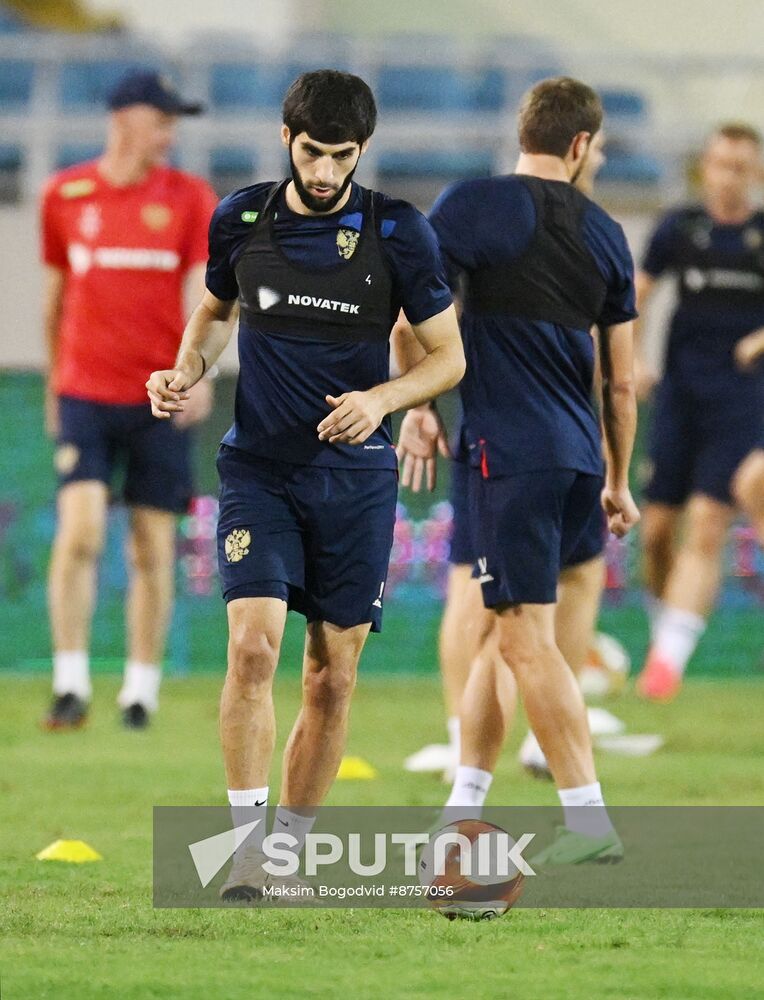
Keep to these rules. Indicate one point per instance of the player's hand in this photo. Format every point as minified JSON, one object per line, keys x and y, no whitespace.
{"x":198,"y":406}
{"x":749,"y":350}
{"x":168,"y":391}
{"x":354,"y":417}
{"x":621,"y":511}
{"x":52,"y":419}
{"x":645,"y":379}
{"x":421,"y":437}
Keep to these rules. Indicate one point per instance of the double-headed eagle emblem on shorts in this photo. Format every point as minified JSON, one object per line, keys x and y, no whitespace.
{"x":237,"y":545}
{"x":347,"y":241}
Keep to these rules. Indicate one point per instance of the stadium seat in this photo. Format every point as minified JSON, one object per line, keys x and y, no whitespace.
{"x":16,"y":80}
{"x":10,"y":157}
{"x":228,"y":160}
{"x":624,"y":104}
{"x":436,"y":163}
{"x":86,"y":85}
{"x":626,"y":167}
{"x":71,"y":153}
{"x":440,"y":88}
{"x":238,"y":85}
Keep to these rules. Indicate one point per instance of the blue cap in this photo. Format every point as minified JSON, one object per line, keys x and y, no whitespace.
{"x":150,"y":87}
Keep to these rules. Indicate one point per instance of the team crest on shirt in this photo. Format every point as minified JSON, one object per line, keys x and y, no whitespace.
{"x":156,"y":217}
{"x":237,"y":545}
{"x":78,"y":188}
{"x":66,"y":458}
{"x":347,"y":241}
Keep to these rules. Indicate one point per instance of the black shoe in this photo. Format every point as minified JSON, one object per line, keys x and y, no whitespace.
{"x":135,"y":717}
{"x":67,"y":712}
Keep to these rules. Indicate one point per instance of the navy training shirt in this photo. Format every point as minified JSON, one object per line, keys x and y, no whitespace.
{"x":720,"y":275}
{"x":527,"y":393}
{"x":283,"y":380}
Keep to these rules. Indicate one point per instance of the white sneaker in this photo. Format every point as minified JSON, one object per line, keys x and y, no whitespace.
{"x":531,"y":756}
{"x":289,"y":890}
{"x":432,"y":758}
{"x":246,"y":878}
{"x":604,"y":723}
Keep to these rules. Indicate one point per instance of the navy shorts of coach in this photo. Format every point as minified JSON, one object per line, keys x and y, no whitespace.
{"x":109,"y":443}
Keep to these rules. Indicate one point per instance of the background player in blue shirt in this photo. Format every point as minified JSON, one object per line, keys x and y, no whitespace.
{"x":542,"y":264}
{"x":321,"y":268}
{"x":709,"y":404}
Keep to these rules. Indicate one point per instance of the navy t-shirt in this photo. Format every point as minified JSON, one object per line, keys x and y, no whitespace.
{"x":527,"y":393}
{"x":283,"y":380}
{"x":704,"y":330}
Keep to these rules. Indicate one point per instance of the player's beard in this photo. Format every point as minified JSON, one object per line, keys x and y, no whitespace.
{"x":322,"y":205}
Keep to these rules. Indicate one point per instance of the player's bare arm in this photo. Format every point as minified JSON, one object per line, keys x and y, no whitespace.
{"x":53,"y":297}
{"x":644,"y":372}
{"x":199,"y":404}
{"x":205,"y":337}
{"x":422,"y":433}
{"x":750,"y":350}
{"x":619,"y":421}
{"x":356,"y":415}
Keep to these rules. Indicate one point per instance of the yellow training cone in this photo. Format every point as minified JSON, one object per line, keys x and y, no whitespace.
{"x":75,"y":851}
{"x":355,"y":769}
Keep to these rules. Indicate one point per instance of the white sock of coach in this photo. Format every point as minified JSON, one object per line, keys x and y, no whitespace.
{"x":140,"y":686}
{"x":71,"y":674}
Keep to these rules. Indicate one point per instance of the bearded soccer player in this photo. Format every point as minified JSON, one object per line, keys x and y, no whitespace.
{"x":465,"y":620}
{"x":321,"y":267}
{"x":542,"y":265}
{"x":708,"y":409}
{"x":123,"y":242}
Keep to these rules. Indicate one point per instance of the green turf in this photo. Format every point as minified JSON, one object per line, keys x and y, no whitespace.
{"x":80,"y":932}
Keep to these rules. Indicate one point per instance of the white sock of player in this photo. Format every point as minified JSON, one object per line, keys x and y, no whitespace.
{"x":71,"y":674}
{"x":469,"y":791}
{"x":655,"y":608}
{"x":584,"y":810}
{"x":248,"y":805}
{"x":295,"y":824}
{"x":677,"y":635}
{"x":454,"y":734}
{"x":140,"y":686}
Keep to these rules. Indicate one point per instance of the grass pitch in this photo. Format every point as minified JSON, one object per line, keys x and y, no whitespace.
{"x":79,"y":932}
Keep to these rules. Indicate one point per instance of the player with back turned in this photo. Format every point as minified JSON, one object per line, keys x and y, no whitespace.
{"x":321,"y":268}
{"x":541,"y":264}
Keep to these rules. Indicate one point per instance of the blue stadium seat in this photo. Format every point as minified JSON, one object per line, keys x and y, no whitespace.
{"x":71,"y":153}
{"x":624,"y":104}
{"x":86,"y":85}
{"x":440,"y":88}
{"x":10,"y":157}
{"x":436,"y":163}
{"x":238,"y":85}
{"x":232,"y":160}
{"x":16,"y":80}
{"x":626,"y":167}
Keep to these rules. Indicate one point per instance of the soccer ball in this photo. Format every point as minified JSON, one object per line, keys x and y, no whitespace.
{"x":606,"y":669}
{"x":488,"y":890}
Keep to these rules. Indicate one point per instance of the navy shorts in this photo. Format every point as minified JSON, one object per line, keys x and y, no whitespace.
{"x":318,"y":538}
{"x":462,"y":548}
{"x":101,"y":440}
{"x":531,"y":526}
{"x":696,"y":445}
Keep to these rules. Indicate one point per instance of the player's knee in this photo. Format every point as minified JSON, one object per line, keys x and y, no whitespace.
{"x":329,"y":688}
{"x":706,"y":533}
{"x":81,"y":544}
{"x":527,"y":653}
{"x":252,"y":657}
{"x":748,"y":485}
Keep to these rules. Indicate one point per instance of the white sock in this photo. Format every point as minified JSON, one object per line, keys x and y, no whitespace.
{"x":676,"y":636}
{"x":454,"y":733}
{"x":295,"y":824}
{"x":140,"y":686}
{"x":655,"y":608}
{"x":71,"y":674}
{"x":470,"y":790}
{"x":247,"y":805}
{"x":584,"y":810}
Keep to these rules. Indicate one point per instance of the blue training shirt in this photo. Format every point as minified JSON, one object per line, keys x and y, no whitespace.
{"x":527,"y":393}
{"x":283,"y":380}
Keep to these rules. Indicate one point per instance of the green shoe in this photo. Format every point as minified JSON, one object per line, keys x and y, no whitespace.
{"x":570,"y":848}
